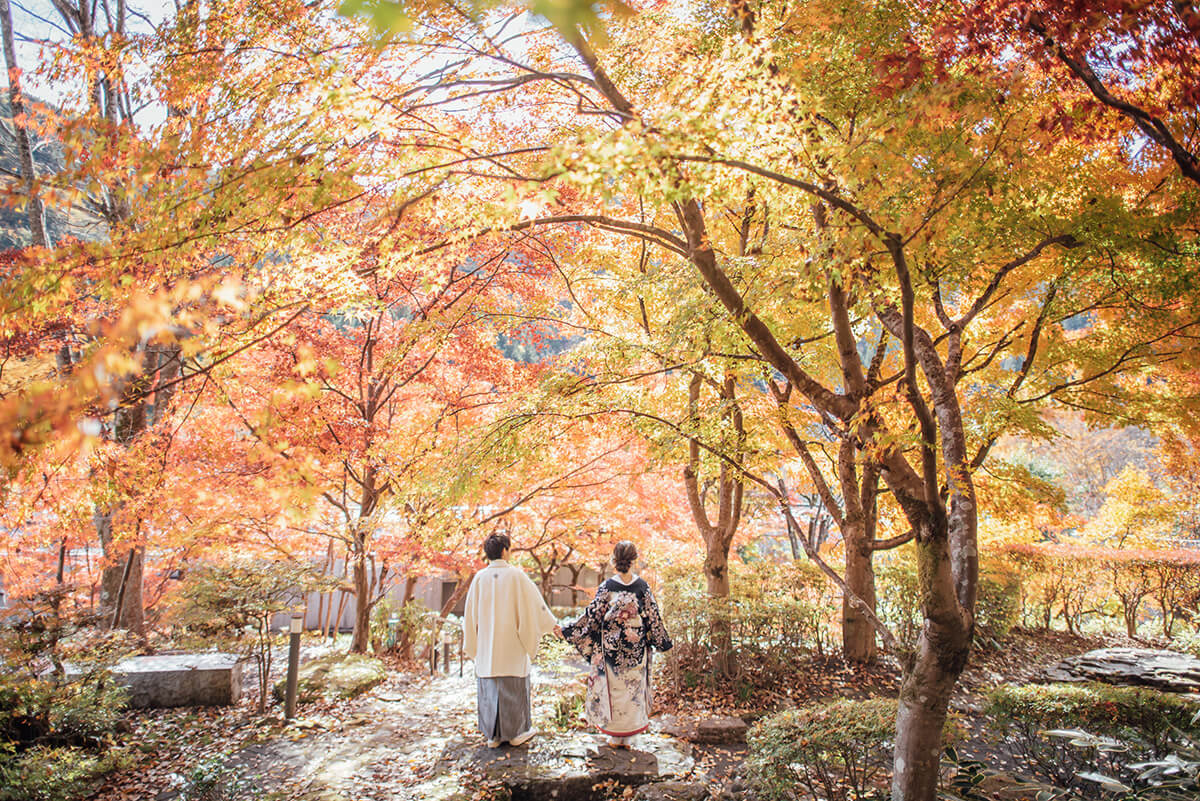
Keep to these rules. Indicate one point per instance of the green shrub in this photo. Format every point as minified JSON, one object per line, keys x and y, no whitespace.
{"x":51,"y":773}
{"x":777,"y":615}
{"x":836,"y":751}
{"x":397,"y":627}
{"x":1070,"y":733}
{"x":1137,"y":714}
{"x":214,"y":780}
{"x":60,"y":709}
{"x":88,"y":711}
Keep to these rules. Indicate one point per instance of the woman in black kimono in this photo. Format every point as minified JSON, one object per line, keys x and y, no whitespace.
{"x":615,"y":634}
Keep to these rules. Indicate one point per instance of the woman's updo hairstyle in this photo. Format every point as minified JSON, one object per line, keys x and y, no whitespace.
{"x":624,"y":555}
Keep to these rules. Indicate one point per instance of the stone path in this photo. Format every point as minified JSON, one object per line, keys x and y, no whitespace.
{"x":413,"y":737}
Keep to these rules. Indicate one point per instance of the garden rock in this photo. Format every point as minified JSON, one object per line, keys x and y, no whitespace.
{"x":335,"y":676}
{"x":170,"y":680}
{"x":1163,"y":670}
{"x":672,"y":791}
{"x":721,"y":731}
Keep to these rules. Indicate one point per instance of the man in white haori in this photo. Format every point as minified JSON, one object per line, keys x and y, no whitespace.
{"x":504,"y":621}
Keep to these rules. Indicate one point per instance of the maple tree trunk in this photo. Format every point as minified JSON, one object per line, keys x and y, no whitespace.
{"x":716,"y":574}
{"x":120,"y":580}
{"x":920,"y":718}
{"x":858,"y":634}
{"x":362,"y":607}
{"x":929,"y":676}
{"x":405,"y":642}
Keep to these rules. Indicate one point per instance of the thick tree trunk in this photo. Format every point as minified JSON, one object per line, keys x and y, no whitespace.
{"x":716,"y":574}
{"x":361,"y":639}
{"x":930,"y":673}
{"x":118,"y":584}
{"x":858,"y":634}
{"x":920,"y":719}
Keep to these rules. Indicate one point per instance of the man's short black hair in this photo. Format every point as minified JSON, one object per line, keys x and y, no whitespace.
{"x":495,"y":546}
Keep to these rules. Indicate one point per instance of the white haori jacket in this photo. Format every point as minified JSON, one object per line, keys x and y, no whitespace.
{"x":504,"y":620}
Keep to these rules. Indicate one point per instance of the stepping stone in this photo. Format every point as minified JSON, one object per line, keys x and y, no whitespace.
{"x":672,"y":791}
{"x":568,"y":767}
{"x":721,"y":731}
{"x":1164,"y":670}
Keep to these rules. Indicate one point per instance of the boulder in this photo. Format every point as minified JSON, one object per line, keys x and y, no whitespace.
{"x":180,"y":679}
{"x":1163,"y":670}
{"x":569,"y":767}
{"x":335,"y":676}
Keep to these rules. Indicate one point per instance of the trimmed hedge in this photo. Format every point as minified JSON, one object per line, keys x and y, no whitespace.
{"x":838,"y":750}
{"x":1127,"y":713}
{"x":1071,"y":734}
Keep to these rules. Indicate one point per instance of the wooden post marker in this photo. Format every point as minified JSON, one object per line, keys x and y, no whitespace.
{"x":293,"y":674}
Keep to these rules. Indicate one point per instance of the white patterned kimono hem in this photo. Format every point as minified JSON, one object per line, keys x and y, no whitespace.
{"x":618,"y":702}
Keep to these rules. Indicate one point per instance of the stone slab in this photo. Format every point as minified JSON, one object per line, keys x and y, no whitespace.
{"x":672,"y":791}
{"x":568,"y":767}
{"x":181,"y":680}
{"x":718,"y":730}
{"x":721,"y":730}
{"x":1163,"y":670}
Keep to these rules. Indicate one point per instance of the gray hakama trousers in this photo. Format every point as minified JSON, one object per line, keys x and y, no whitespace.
{"x":504,"y":707}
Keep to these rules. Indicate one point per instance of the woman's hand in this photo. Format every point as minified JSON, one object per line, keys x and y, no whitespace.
{"x":558,"y":632}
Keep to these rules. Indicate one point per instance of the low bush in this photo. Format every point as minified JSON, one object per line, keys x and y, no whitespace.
{"x":52,"y":773}
{"x":1071,"y":734}
{"x":396,"y":627}
{"x":60,"y":709}
{"x":1135,"y":714}
{"x":837,"y":751}
{"x":44,"y":711}
{"x":777,"y":615}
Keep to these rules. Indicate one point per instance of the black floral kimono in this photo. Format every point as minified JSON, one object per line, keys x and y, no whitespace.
{"x":615,"y":634}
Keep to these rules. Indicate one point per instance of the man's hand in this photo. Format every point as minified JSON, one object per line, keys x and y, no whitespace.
{"x":558,"y":632}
